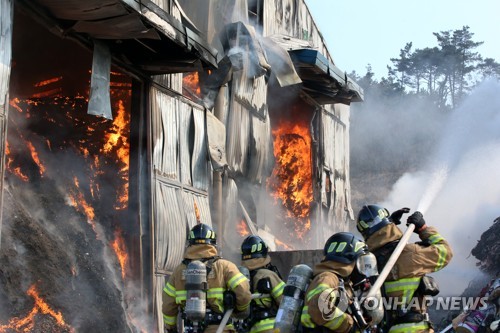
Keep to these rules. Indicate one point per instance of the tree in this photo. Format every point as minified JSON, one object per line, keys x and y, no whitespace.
{"x":458,"y":48}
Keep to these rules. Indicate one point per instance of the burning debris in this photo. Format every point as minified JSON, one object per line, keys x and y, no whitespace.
{"x":65,"y":214}
{"x":487,"y":249}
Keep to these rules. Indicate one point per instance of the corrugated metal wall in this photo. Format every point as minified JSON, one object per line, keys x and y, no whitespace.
{"x":182,"y":175}
{"x":6,"y":15}
{"x":180,"y":179}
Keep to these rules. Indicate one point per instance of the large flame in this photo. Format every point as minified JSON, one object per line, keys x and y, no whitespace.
{"x":27,"y":323}
{"x":118,"y":245}
{"x":118,"y":140}
{"x":291,"y":180}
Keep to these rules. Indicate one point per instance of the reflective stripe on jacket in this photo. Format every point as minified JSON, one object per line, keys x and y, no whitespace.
{"x":415,"y":261}
{"x":272,"y":302}
{"x":325,"y":282}
{"x":224,"y":275}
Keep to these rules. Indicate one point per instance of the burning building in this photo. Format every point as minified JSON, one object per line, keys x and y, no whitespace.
{"x":125,"y":123}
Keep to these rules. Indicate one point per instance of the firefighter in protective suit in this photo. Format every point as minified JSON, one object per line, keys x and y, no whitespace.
{"x":264,"y":279}
{"x":223,"y":277}
{"x":407,"y":284}
{"x":328,"y":296}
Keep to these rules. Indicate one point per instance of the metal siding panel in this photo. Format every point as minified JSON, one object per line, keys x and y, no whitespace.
{"x":170,"y":128}
{"x":328,"y":141}
{"x":260,"y":149}
{"x":238,"y":132}
{"x":200,"y":157}
{"x":231,"y":215}
{"x":189,"y":199}
{"x":6,"y":20}
{"x":185,"y":114}
{"x":170,"y":227}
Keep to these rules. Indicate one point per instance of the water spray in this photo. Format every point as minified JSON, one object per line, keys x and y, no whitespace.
{"x":437,"y":180}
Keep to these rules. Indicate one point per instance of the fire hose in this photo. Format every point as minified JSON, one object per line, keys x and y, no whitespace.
{"x":390,"y":263}
{"x":229,"y":312}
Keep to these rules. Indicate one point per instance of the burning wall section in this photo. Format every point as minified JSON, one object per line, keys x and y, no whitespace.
{"x":66,"y":257}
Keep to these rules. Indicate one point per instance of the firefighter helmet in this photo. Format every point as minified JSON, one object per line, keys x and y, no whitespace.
{"x":344,"y":247}
{"x":202,"y":234}
{"x":253,"y":247}
{"x":372,"y":218}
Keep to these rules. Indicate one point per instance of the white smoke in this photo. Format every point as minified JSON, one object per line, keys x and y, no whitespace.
{"x":459,"y":191}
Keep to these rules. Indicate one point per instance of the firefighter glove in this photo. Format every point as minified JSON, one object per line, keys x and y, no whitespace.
{"x":229,"y":300}
{"x":418,"y":220}
{"x":264,"y":286}
{"x":398,"y":214}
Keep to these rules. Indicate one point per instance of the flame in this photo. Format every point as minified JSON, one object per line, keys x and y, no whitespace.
{"x":118,"y":140}
{"x":35,"y":157}
{"x":197,"y":213}
{"x":15,"y":171}
{"x":242,"y":229}
{"x":78,"y":201}
{"x":191,"y":83}
{"x":118,"y":245}
{"x":291,"y":179}
{"x":282,"y":245}
{"x":27,"y":323}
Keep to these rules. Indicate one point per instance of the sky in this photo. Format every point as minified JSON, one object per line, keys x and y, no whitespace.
{"x":362,"y":32}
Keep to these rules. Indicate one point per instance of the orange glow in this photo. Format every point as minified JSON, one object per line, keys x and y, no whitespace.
{"x":197,"y":213}
{"x":15,"y":171}
{"x":282,"y":246}
{"x":291,"y":181}
{"x":118,"y":245}
{"x":118,"y":140}
{"x":27,"y":323}
{"x":242,"y":229}
{"x":49,"y":81}
{"x":35,"y":157}
{"x":78,"y":201}
{"x":191,"y":82}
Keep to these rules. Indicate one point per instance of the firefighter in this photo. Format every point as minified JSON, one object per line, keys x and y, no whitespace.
{"x":224,"y":281}
{"x":264,"y":279}
{"x":330,"y":293}
{"x":407,"y":284}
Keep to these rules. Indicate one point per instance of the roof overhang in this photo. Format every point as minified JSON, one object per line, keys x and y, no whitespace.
{"x":322,"y":80}
{"x":137,"y":32}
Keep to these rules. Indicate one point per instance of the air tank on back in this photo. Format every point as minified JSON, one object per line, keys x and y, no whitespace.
{"x":290,"y":309}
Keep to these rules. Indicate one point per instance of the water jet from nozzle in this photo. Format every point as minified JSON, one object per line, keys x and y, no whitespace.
{"x":436,"y":182}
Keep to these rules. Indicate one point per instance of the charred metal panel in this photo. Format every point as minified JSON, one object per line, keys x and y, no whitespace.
{"x":261,"y":151}
{"x":216,"y":137}
{"x":138,"y":33}
{"x":238,"y":134}
{"x":323,"y":81}
{"x":100,"y":100}
{"x":210,"y":16}
{"x":6,"y":15}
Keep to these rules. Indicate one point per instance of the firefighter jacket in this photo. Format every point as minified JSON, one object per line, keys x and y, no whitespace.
{"x":321,"y":311}
{"x":432,"y":254}
{"x":263,"y":310}
{"x":223,"y":275}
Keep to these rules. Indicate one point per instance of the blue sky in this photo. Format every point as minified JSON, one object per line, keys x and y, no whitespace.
{"x":362,"y":32}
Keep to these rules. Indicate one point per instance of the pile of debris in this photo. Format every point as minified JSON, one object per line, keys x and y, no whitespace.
{"x":487,"y":249}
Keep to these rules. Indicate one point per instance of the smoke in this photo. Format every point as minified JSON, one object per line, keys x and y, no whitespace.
{"x":457,"y":188}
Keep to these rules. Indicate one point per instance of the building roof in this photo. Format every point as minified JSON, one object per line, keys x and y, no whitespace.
{"x":140,"y":34}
